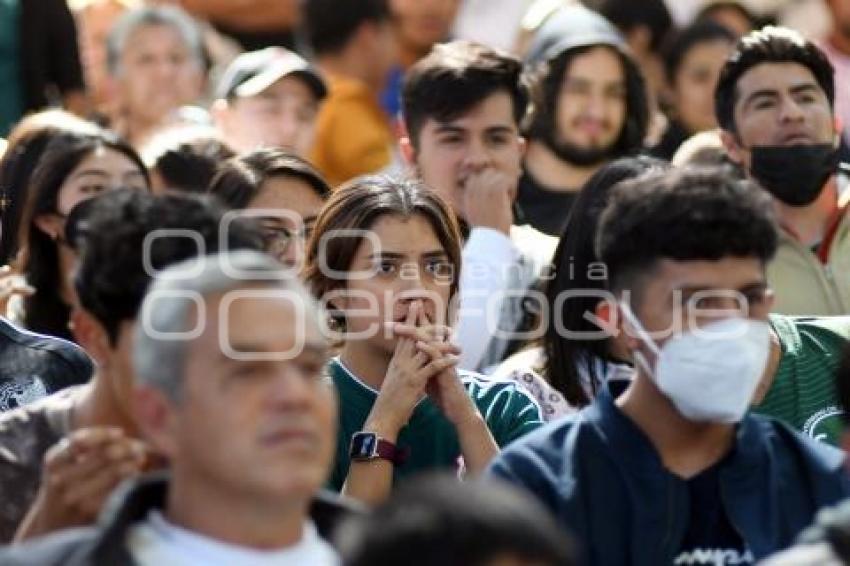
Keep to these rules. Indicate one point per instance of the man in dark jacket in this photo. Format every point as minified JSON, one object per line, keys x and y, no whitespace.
{"x":229,"y":388}
{"x":673,"y":470}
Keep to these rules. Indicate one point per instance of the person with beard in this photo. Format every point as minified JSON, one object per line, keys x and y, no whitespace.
{"x":775,"y":105}
{"x":590,"y":107}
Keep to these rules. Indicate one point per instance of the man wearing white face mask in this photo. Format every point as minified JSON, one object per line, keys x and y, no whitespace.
{"x":673,"y":470}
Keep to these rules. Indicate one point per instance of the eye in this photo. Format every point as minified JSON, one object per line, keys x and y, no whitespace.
{"x":756,"y":297}
{"x":93,"y":188}
{"x":450,"y":140}
{"x":499,"y":139}
{"x":248,"y":370}
{"x":439,"y":268}
{"x":306,"y":114}
{"x":385,"y":267}
{"x":312,"y":369}
{"x":763,"y":104}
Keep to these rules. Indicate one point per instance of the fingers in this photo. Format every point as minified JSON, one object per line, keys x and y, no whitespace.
{"x":88,"y":496}
{"x":428,"y":333}
{"x":80,"y":442}
{"x":73,"y":471}
{"x":438,"y":365}
{"x":437,"y":349}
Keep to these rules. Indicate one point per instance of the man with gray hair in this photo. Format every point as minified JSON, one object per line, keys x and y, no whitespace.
{"x":61,"y":456}
{"x":156,"y":64}
{"x":229,"y":388}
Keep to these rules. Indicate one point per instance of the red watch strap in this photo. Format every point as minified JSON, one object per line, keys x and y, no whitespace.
{"x":389,"y":451}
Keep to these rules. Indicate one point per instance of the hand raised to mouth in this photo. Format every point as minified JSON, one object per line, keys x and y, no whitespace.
{"x":408,"y":374}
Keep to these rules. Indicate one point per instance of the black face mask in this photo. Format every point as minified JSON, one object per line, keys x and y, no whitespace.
{"x":795,"y":174}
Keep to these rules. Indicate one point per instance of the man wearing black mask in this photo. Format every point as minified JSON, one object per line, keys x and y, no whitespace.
{"x":775,"y":105}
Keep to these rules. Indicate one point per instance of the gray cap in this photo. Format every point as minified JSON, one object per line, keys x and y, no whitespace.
{"x":253,"y":72}
{"x":570,"y":27}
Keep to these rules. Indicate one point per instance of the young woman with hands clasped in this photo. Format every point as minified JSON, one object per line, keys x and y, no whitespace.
{"x":385,"y":260}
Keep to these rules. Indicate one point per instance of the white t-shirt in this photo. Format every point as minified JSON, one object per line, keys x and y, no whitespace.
{"x":156,"y":542}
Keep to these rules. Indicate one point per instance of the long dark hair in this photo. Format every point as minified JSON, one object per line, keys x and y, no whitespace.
{"x":573,"y":270}
{"x":26,"y":146}
{"x":548,"y":79}
{"x":38,"y":260}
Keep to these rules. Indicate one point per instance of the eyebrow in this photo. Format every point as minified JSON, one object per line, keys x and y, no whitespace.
{"x":90,"y":173}
{"x":450,"y":129}
{"x":395,"y":255}
{"x":796,"y":89}
{"x":500,"y":130}
{"x":689,"y":290}
{"x":314,"y":349}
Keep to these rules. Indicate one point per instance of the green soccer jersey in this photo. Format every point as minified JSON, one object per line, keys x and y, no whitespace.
{"x":509,"y":411}
{"x":803,"y":393}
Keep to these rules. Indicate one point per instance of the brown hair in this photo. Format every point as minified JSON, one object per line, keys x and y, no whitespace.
{"x":357,"y":205}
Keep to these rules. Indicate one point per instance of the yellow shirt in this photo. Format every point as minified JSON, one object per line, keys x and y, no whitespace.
{"x":353,"y":135}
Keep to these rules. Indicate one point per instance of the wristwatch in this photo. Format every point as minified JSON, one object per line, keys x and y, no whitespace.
{"x":367,"y":446}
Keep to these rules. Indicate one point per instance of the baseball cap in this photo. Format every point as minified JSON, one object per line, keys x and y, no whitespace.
{"x":571,"y":27}
{"x":253,"y":72}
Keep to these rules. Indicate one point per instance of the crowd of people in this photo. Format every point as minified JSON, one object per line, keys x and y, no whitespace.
{"x":426,"y":282}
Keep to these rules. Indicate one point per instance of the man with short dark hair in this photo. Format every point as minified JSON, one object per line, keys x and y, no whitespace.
{"x":774,"y":103}
{"x":463,"y":104}
{"x":229,"y":387}
{"x":122,"y":236}
{"x":355,"y":49}
{"x":675,"y":459}
{"x":590,"y":107}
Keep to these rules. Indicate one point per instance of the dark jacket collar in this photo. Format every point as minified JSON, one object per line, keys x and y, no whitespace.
{"x":131,"y":502}
{"x":634,"y":447}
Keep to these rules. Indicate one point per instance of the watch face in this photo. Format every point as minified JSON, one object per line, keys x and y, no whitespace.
{"x":363,"y":445}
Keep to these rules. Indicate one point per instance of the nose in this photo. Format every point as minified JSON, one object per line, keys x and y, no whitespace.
{"x":293,"y":254}
{"x":791,"y":111}
{"x":477,"y":157}
{"x":595,"y":106}
{"x":291,"y":388}
{"x":287,"y":127}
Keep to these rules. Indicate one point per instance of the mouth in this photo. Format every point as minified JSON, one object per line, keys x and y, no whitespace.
{"x":797,"y":138}
{"x":591,"y":128}
{"x":296,"y":438}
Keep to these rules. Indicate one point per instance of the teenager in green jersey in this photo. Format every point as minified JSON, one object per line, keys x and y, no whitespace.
{"x":385,"y":257}
{"x":797,"y":386}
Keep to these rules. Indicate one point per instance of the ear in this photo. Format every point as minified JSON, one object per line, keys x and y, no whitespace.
{"x":220,"y":110}
{"x":607,"y":317}
{"x":91,"y":336}
{"x":407,"y":150}
{"x":156,"y":417}
{"x":523,"y":146}
{"x":49,"y":223}
{"x":611,"y":319}
{"x":732,"y":147}
{"x":366,"y":36}
{"x":639,"y":39}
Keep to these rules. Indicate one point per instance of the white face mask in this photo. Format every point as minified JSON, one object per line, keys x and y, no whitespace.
{"x":711,"y":373}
